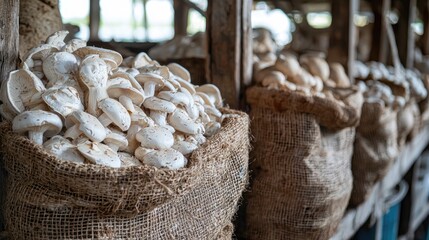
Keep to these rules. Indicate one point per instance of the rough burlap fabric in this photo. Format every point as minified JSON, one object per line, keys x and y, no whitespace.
{"x":375,"y":148}
{"x":197,"y":202}
{"x":302,"y":179}
{"x":37,"y":20}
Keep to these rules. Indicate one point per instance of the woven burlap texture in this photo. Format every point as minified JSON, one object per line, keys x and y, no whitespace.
{"x":202,"y":198}
{"x":375,"y":148}
{"x":302,"y":179}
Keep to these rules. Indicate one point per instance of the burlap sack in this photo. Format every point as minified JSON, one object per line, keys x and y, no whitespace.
{"x":302,"y":177}
{"x":37,"y":20}
{"x":375,"y":149}
{"x":197,"y":202}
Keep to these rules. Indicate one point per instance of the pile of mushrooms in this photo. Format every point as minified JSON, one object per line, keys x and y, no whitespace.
{"x":309,"y":75}
{"x":180,"y":47}
{"x":82,"y":105}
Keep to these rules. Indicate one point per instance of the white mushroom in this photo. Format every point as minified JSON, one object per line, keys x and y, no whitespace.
{"x":80,"y":122}
{"x":63,"y":149}
{"x":109,"y":56}
{"x":155,"y":138}
{"x":181,"y":121}
{"x":150,"y":81}
{"x":99,"y":153}
{"x":126,"y":91}
{"x":184,"y":147}
{"x":179,"y":71}
{"x":116,"y":140}
{"x":59,"y":67}
{"x":57,"y":39}
{"x":114,"y":112}
{"x":63,"y":100}
{"x":213,"y":92}
{"x":73,"y":45}
{"x":93,"y":73}
{"x":37,"y":123}
{"x":133,"y":144}
{"x":128,"y":160}
{"x":21,"y":90}
{"x":165,"y":158}
{"x":157,"y":104}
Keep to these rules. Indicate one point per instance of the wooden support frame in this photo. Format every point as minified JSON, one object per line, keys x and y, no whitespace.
{"x":229,"y":54}
{"x":181,"y":11}
{"x":94,"y":19}
{"x":342,"y":47}
{"x":404,"y":31}
{"x":379,"y":43}
{"x":423,"y":6}
{"x":9,"y":44}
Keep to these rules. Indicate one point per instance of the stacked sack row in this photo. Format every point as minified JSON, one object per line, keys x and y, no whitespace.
{"x":320,"y":143}
{"x":101,"y":147}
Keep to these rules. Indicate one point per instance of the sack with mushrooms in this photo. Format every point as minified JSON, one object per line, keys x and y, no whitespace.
{"x":112,"y":138}
{"x":303,"y":120}
{"x":390,"y":118}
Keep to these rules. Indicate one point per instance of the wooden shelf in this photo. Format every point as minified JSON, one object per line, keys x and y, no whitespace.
{"x":356,"y":217}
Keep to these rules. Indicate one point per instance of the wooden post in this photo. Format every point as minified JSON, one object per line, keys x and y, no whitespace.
{"x":379,"y":45}
{"x":9,"y":37}
{"x":342,"y":47}
{"x":228,"y":30}
{"x":180,"y":18}
{"x":424,"y":10}
{"x":404,"y":32}
{"x":94,"y":19}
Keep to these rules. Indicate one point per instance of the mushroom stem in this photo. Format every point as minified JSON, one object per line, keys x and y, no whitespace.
{"x":149,"y":89}
{"x":36,"y":136}
{"x":73,"y":132}
{"x":127,"y":103}
{"x":95,"y":95}
{"x":104,"y":119}
{"x":159,"y":117}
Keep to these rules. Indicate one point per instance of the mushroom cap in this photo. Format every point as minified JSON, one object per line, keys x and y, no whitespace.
{"x":103,"y":53}
{"x":128,"y":160}
{"x":88,"y":124}
{"x":59,"y":67}
{"x":155,"y":138}
{"x":177,"y":98}
{"x":116,"y":112}
{"x":63,"y":149}
{"x":179,"y":71}
{"x":63,"y":100}
{"x":99,"y":153}
{"x":317,"y":66}
{"x":165,"y":158}
{"x":288,"y":65}
{"x":117,"y":90}
{"x":20,"y":83}
{"x":57,"y":38}
{"x":141,"y":60}
{"x":184,"y":147}
{"x":116,"y":138}
{"x":213,"y":92}
{"x":129,"y":77}
{"x":37,"y":119}
{"x":187,"y":85}
{"x":142,"y":78}
{"x":93,"y":71}
{"x":38,"y":53}
{"x":338,"y":75}
{"x":181,"y":121}
{"x":73,"y":45}
{"x":158,"y":104}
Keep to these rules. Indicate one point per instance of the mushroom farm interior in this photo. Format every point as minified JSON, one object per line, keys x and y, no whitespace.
{"x":204,"y":119}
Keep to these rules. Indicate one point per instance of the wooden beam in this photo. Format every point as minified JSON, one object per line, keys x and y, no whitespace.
{"x":343,"y":36}
{"x":195,"y":7}
{"x":405,"y":33}
{"x":424,"y":13}
{"x":228,"y":44}
{"x":380,"y":44}
{"x":94,"y":19}
{"x":246,"y":44}
{"x":9,"y":37}
{"x":180,"y":18}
